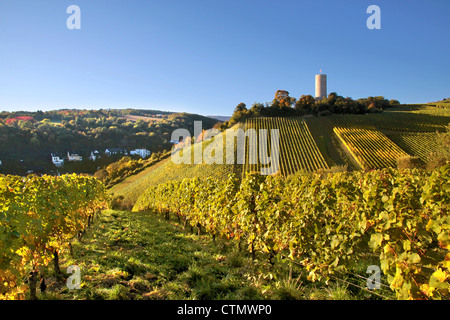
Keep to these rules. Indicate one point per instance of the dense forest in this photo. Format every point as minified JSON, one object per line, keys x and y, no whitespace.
{"x":27,"y":139}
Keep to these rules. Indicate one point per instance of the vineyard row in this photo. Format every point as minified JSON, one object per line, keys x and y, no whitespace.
{"x":39,"y":216}
{"x":328,"y":223}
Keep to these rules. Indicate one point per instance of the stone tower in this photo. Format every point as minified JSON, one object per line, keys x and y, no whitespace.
{"x":321,"y":86}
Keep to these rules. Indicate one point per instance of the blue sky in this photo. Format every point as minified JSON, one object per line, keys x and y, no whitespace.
{"x":206,"y":57}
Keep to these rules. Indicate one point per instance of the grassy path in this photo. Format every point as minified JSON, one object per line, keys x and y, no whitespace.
{"x":139,"y":256}
{"x":128,"y":255}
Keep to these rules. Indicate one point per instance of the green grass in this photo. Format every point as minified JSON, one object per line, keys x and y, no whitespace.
{"x":321,"y":129}
{"x":126,"y":256}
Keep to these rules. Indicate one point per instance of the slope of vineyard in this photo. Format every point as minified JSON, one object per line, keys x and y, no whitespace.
{"x":420,"y":144}
{"x":370,"y":148}
{"x":416,"y":120}
{"x":167,"y":170}
{"x":443,"y":111}
{"x":297,"y":150}
{"x":311,"y":144}
{"x":411,"y":127}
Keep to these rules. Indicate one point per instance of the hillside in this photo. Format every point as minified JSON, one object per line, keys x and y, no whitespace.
{"x":332,"y":223}
{"x":166,"y":170}
{"x":313,"y":143}
{"x":29,"y":138}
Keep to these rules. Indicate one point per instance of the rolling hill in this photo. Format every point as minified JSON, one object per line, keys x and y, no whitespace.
{"x":308,"y":144}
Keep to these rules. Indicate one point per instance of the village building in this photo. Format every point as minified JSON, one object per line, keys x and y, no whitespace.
{"x":94,"y":155}
{"x":74,"y":156}
{"x":143,"y":153}
{"x":113,"y":151}
{"x":57,"y":159}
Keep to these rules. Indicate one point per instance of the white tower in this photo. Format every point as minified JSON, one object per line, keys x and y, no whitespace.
{"x":321,"y":86}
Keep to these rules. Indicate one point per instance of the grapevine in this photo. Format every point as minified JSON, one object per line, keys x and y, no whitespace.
{"x":38,"y":218}
{"x":328,"y":222}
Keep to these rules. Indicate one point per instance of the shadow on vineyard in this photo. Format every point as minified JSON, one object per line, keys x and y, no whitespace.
{"x":131,"y":256}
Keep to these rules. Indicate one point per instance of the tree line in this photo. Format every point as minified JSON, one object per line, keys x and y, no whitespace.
{"x":284,"y":105}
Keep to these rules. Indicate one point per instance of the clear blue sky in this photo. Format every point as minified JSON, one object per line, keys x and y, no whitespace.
{"x":208,"y":56}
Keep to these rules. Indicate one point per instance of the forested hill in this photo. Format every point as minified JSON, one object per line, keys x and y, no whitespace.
{"x":28,"y":138}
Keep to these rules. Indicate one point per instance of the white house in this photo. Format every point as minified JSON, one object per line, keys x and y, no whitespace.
{"x":57,"y":160}
{"x":112,"y":151}
{"x":94,"y":155}
{"x":72,"y":156}
{"x":143,"y":153}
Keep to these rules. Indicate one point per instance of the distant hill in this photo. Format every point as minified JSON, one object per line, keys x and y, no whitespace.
{"x":444,"y":103}
{"x":220,"y":118}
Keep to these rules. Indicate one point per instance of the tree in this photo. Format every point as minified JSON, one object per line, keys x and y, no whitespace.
{"x":305,"y":103}
{"x":257,"y":109}
{"x":394,"y":102}
{"x":39,"y":115}
{"x":35,"y":142}
{"x":380,"y":102}
{"x":283,"y":100}
{"x":240,"y":107}
{"x":332,"y":97}
{"x":320,"y":106}
{"x":372,"y":108}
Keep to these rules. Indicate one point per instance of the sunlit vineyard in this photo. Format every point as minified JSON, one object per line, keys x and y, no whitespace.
{"x":328,"y":223}
{"x":422,"y":120}
{"x":297,"y":148}
{"x":39,"y":217}
{"x":438,"y":112}
{"x":376,"y":140}
{"x":410,"y":127}
{"x":370,"y":148}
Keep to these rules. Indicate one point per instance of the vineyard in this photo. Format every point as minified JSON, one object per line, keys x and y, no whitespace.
{"x":324,"y":222}
{"x":328,"y":223}
{"x":39,"y":217}
{"x":422,"y":120}
{"x":376,"y":140}
{"x":297,"y":148}
{"x":370,"y":148}
{"x":421,"y":144}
